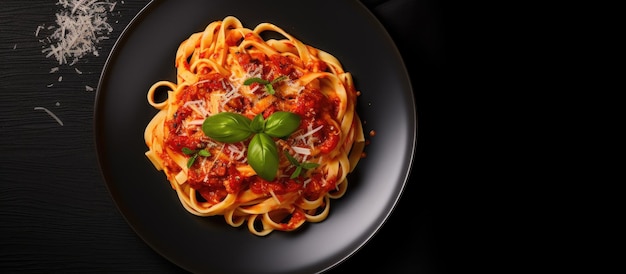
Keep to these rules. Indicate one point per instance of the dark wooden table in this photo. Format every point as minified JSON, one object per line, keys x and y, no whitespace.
{"x":56,"y":214}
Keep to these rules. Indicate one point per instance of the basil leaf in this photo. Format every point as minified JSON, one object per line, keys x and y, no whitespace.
{"x":270,"y":89}
{"x":296,"y":173}
{"x":309,"y":165}
{"x":281,"y":124}
{"x":263,"y":156}
{"x":191,"y":160}
{"x":278,"y":79}
{"x":292,"y":160}
{"x":249,"y":81}
{"x":258,"y":123}
{"x":269,"y":86}
{"x":188,"y":151}
{"x":204,"y":153}
{"x":227,"y":127}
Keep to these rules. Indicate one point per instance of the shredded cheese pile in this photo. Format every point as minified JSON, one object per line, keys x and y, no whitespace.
{"x":80,"y":26}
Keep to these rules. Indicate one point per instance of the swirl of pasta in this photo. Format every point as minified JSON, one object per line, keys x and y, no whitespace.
{"x":213,"y":69}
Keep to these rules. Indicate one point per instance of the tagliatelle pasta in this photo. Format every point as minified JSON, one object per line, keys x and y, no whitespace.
{"x":261,"y":131}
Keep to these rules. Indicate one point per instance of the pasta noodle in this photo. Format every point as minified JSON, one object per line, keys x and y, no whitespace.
{"x":260,"y":88}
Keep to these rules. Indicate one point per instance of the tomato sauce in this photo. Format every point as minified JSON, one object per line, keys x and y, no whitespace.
{"x":315,"y":109}
{"x":221,"y":178}
{"x":296,"y":217}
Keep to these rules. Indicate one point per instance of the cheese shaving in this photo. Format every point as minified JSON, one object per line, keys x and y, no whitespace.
{"x":51,"y":114}
{"x":306,"y":182}
{"x":302,"y":150}
{"x":310,"y":131}
{"x":80,"y":26}
{"x":274,"y":196}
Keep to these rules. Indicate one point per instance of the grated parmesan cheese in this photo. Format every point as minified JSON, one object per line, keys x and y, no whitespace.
{"x":302,"y":150}
{"x":274,"y":196}
{"x":51,"y":114}
{"x":40,"y":27}
{"x":307,"y":137}
{"x":80,"y":26}
{"x":307,"y":181}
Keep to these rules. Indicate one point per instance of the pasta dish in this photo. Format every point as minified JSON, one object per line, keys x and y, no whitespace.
{"x":262,"y":131}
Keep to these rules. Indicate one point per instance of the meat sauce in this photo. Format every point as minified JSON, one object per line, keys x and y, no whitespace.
{"x":223,"y":178}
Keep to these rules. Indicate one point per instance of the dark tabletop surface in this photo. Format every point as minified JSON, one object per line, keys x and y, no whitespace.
{"x":56,"y":214}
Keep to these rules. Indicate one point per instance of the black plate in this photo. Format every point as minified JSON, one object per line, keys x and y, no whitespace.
{"x":145,"y":54}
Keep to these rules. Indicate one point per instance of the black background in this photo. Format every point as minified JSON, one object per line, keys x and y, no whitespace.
{"x":56,"y":214}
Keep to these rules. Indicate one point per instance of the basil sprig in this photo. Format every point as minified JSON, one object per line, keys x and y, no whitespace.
{"x":266,"y":83}
{"x":231,"y":127}
{"x":299,"y":166}
{"x":194,"y":154}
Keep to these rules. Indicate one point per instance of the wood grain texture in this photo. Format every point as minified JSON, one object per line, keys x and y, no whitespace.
{"x":56,"y":215}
